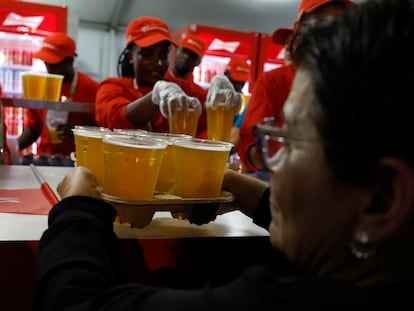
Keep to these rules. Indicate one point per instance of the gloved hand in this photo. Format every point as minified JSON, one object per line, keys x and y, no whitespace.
{"x":170,"y":97}
{"x":222,"y":91}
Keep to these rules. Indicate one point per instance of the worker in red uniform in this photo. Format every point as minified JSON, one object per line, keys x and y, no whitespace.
{"x":58,"y":53}
{"x":128,"y":102}
{"x":189,"y":54}
{"x":142,"y":98}
{"x":272,"y":88}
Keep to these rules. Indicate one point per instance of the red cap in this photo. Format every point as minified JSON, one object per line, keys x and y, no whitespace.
{"x":193,"y":43}
{"x":146,"y":31}
{"x":239,"y":69}
{"x":310,"y":5}
{"x":56,"y":47}
{"x":281,"y":35}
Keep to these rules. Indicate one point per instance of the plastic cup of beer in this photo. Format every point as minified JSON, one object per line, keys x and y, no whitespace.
{"x":132,"y":165}
{"x":198,"y":167}
{"x":220,"y":122}
{"x":53,"y":87}
{"x":33,"y":85}
{"x":165,"y":176}
{"x":89,"y":150}
{"x":184,"y":124}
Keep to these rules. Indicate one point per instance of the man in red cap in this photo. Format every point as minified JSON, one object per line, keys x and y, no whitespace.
{"x":58,"y":52}
{"x":238,"y":72}
{"x":272,"y":88}
{"x":188,"y":55}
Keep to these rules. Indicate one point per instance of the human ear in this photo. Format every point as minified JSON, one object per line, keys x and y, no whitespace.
{"x":392,"y":202}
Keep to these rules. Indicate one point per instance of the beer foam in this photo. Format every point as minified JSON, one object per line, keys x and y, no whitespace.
{"x":134,"y":141}
{"x":88,"y":133}
{"x":204,"y":144}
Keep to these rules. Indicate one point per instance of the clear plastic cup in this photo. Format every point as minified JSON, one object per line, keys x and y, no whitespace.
{"x":33,"y":85}
{"x":132,"y":165}
{"x":53,"y":87}
{"x":198,"y":167}
{"x":220,"y":122}
{"x":184,"y":124}
{"x":165,"y":176}
{"x":89,"y":149}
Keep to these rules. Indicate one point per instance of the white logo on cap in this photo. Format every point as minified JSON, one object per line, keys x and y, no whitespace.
{"x":191,"y":41}
{"x":150,"y":28}
{"x":238,"y":68}
{"x":50,"y":46}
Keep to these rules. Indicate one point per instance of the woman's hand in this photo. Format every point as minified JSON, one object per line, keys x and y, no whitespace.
{"x":247,"y":190}
{"x":79,"y":181}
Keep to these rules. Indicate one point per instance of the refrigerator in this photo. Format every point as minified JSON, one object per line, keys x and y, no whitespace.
{"x":221,"y":45}
{"x":23,"y":27}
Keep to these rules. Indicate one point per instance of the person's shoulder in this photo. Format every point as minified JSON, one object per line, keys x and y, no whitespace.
{"x":85,"y":77}
{"x":282,"y":73}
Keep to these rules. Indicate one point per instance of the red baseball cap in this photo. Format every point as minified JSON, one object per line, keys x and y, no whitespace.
{"x":310,"y":5}
{"x":56,"y":47}
{"x":281,"y":35}
{"x":146,"y":31}
{"x":239,"y":69}
{"x":193,"y":43}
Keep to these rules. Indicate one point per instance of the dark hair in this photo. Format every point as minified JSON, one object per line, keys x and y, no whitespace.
{"x":124,"y":67}
{"x":362,"y":67}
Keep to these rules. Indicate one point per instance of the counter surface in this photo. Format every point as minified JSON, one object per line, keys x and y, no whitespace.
{"x":15,"y":227}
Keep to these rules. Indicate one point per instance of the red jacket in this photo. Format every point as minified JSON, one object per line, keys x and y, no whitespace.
{"x":115,"y":94}
{"x":85,"y":92}
{"x":269,"y":95}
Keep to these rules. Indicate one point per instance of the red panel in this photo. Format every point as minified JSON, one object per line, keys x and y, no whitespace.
{"x":32,"y":18}
{"x":270,"y":54}
{"x":225,"y":43}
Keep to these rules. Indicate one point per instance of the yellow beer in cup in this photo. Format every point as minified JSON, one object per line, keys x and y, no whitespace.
{"x":220,"y":122}
{"x":53,"y":86}
{"x":132,"y":164}
{"x":89,"y":149}
{"x":165,"y":176}
{"x":33,"y":85}
{"x":198,"y":167}
{"x":182,"y":124}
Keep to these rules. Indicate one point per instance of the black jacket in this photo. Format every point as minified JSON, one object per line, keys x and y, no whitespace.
{"x":79,"y":269}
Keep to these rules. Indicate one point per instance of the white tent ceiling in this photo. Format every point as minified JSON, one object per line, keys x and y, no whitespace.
{"x":244,"y":15}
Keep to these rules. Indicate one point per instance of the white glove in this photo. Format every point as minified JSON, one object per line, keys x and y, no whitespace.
{"x":222,"y":91}
{"x":170,"y":98}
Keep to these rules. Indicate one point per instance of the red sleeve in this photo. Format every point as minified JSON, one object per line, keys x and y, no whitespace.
{"x":114,"y":94}
{"x":35,"y":118}
{"x":269,"y":95}
{"x":85,"y":92}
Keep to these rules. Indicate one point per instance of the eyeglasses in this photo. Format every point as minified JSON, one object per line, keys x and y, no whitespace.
{"x":270,"y":139}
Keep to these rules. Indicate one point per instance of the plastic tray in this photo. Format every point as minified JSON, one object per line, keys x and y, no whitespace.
{"x":140,"y":213}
